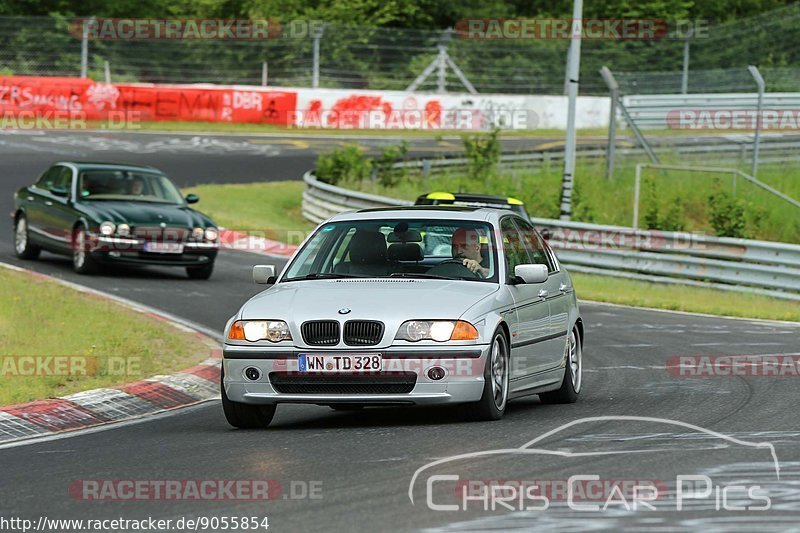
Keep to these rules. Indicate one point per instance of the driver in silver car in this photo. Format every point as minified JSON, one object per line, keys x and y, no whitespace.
{"x":466,"y":246}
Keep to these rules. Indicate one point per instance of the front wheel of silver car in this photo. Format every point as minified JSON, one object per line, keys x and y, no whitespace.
{"x":22,"y":243}
{"x":244,"y":415}
{"x":492,"y":405}
{"x":573,"y":373}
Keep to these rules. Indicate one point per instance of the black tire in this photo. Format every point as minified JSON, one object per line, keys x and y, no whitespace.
{"x":243,"y":415}
{"x":83,"y":261}
{"x":490,"y":406}
{"x":22,"y":242}
{"x":201,"y":272}
{"x":571,"y":384}
{"x":347,"y":407}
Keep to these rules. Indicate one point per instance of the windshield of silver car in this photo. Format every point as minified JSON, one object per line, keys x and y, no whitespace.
{"x":412,"y":248}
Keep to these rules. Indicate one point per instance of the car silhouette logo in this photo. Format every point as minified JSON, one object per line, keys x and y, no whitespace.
{"x":344,"y":310}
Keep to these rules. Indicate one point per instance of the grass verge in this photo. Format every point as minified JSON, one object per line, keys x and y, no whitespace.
{"x":113,"y":344}
{"x":272,"y":208}
{"x":683,"y":298}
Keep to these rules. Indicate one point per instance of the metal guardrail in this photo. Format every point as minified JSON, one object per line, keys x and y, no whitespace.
{"x":744,"y":265}
{"x":736,"y":149}
{"x":651,"y":110}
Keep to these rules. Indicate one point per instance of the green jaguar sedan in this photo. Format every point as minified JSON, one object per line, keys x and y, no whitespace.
{"x":101,"y":213}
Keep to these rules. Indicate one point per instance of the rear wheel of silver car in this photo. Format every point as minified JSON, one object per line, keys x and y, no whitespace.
{"x":244,"y":415}
{"x":573,"y":373}
{"x":22,"y":243}
{"x":492,"y":405}
{"x":83,"y":262}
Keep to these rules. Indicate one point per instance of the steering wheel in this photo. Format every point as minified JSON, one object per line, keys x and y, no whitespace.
{"x":454,"y":262}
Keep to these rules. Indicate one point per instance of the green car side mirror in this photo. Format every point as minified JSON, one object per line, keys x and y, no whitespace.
{"x":192,"y":198}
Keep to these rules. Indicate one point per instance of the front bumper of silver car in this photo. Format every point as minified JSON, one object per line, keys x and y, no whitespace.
{"x":404,"y":380}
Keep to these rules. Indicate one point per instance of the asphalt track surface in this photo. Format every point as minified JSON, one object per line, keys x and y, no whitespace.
{"x":365,"y":461}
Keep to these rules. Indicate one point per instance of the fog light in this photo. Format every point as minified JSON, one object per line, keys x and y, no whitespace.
{"x":436,"y":373}
{"x":252,"y":373}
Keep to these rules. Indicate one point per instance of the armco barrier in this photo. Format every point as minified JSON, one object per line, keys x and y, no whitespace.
{"x":763,"y":267}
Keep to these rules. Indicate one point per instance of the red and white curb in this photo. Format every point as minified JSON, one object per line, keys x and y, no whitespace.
{"x":119,"y":403}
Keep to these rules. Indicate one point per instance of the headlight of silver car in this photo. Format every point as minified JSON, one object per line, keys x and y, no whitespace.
{"x":257,"y":330}
{"x":436,"y":330}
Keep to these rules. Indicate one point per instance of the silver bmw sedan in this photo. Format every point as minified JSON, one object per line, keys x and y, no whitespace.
{"x":404,"y":306}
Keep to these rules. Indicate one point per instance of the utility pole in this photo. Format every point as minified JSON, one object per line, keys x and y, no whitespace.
{"x":573,"y":71}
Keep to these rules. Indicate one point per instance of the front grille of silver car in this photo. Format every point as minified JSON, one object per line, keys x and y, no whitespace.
{"x":363,"y":332}
{"x":378,"y":383}
{"x":320,"y":332}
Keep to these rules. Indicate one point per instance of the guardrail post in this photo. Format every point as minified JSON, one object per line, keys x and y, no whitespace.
{"x":264,"y":73}
{"x":107,"y":70}
{"x":613,"y":90}
{"x":757,"y":139}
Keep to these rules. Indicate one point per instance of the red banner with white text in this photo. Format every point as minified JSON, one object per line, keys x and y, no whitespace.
{"x":90,"y":100}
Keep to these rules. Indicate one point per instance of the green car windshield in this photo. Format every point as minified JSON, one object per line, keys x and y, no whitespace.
{"x":434,"y":248}
{"x":127,"y":185}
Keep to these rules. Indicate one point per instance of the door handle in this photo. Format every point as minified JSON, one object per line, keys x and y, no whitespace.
{"x":563,"y":287}
{"x":543,"y":293}
{"x":48,"y":202}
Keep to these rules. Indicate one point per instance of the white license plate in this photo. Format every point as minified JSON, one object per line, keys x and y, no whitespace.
{"x":163,"y":247}
{"x":309,"y":362}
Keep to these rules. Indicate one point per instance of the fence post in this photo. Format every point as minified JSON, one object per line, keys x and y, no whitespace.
{"x":613,"y":89}
{"x":636,"y":192}
{"x":107,"y":70}
{"x":757,"y":139}
{"x":315,"y":72}
{"x":85,"y":48}
{"x":264,"y":73}
{"x":685,"y":75}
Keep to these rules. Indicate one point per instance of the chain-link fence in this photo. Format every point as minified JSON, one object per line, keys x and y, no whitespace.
{"x":388,"y":58}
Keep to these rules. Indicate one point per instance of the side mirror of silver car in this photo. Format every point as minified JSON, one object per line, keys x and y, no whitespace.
{"x":264,"y":274}
{"x":531,"y":273}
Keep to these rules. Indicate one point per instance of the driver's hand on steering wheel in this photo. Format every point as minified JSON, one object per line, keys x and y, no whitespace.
{"x":475,"y":266}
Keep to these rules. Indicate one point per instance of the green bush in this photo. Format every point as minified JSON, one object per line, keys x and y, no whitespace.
{"x":674,"y":219}
{"x":347,"y":163}
{"x":483,"y":153}
{"x":650,"y":200}
{"x":390,"y":155}
{"x":726,"y":213}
